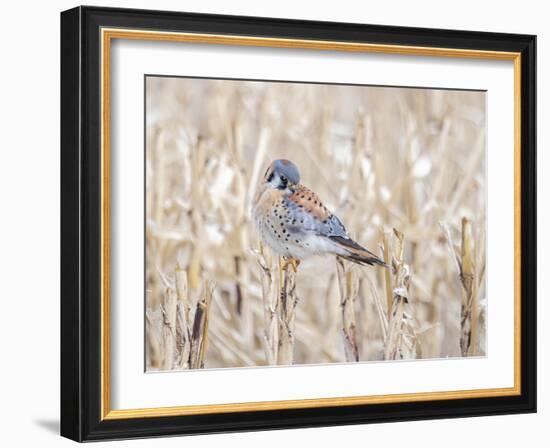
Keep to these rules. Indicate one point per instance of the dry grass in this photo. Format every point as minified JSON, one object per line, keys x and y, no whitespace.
{"x":403,"y":168}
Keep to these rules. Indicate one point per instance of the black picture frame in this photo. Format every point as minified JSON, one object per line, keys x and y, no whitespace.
{"x":81,"y":224}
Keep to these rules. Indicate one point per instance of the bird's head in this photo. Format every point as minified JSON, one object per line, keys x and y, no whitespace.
{"x":282,"y":174}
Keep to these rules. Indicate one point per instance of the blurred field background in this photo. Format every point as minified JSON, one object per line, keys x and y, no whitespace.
{"x":380,"y":158}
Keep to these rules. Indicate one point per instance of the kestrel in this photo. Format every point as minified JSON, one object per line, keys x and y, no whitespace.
{"x":294,"y":223}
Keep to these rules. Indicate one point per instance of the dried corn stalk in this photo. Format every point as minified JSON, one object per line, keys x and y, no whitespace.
{"x":169,"y":307}
{"x":270,"y":305}
{"x":286,"y":308}
{"x":469,"y":306}
{"x":199,"y":333}
{"x":183,"y":323}
{"x":401,"y":341}
{"x":153,"y":322}
{"x":470,"y":280}
{"x":177,"y":332}
{"x":348,"y":286}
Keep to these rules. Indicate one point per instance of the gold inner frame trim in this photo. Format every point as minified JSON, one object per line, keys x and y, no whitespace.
{"x":107,"y":35}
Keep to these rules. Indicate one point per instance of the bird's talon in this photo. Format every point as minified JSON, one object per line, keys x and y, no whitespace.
{"x":283,"y":266}
{"x":289,"y":262}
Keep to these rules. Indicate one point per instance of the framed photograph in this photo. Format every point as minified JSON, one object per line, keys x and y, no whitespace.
{"x":272,"y":223}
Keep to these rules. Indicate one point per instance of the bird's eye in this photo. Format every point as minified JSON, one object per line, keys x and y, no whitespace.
{"x":284,"y":180}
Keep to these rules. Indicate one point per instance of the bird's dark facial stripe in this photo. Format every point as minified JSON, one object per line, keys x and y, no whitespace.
{"x":270,"y":178}
{"x":284,"y":183}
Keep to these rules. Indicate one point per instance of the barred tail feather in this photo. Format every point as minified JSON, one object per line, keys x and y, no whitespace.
{"x":368,"y":260}
{"x":355,"y":253}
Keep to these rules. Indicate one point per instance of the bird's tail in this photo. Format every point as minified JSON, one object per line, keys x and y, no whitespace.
{"x":356,"y":253}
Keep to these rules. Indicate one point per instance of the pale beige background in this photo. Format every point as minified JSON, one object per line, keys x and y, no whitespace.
{"x":380,"y":158}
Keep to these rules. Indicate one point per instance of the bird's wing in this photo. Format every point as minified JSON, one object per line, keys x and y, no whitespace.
{"x":310,"y":216}
{"x":306,"y":200}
